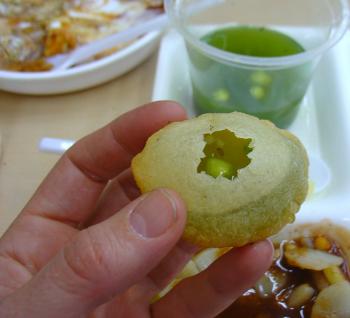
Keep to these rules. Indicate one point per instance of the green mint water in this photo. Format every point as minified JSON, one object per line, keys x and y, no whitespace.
{"x":273,"y":94}
{"x":251,"y":41}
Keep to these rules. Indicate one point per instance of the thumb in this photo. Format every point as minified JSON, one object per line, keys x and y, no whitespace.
{"x":103,"y":260}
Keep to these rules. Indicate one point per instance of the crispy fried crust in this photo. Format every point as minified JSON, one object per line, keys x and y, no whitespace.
{"x":256,"y":204}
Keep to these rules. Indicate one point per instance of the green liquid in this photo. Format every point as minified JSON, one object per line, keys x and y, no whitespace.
{"x":273,"y":94}
{"x":259,"y":42}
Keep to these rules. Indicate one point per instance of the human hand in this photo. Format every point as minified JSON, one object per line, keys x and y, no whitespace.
{"x":88,"y":245}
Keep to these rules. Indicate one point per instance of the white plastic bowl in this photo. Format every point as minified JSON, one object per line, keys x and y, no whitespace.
{"x":83,"y":76}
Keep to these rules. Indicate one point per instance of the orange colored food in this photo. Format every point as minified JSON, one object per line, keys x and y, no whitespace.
{"x":32,"y":31}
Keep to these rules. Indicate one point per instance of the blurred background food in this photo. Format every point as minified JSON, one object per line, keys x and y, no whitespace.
{"x":33,"y":31}
{"x":309,"y":277}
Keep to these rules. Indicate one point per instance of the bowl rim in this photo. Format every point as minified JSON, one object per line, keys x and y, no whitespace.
{"x":263,"y":62}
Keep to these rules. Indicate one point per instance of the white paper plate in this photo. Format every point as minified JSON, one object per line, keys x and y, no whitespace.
{"x":83,"y":76}
{"x":322,"y":124}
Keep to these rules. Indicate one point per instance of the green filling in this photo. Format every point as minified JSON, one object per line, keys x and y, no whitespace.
{"x":225,"y":154}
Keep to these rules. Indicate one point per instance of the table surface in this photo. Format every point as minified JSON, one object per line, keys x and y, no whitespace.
{"x":24,"y":120}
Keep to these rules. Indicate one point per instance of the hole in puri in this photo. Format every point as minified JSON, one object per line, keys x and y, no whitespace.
{"x":225,"y":154}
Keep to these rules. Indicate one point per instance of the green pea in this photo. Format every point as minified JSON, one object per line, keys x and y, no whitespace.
{"x":221,"y":95}
{"x":257,"y":92}
{"x":261,"y":78}
{"x":217,"y":167}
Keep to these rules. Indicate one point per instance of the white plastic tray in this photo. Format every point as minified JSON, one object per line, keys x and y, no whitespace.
{"x":322,"y":124}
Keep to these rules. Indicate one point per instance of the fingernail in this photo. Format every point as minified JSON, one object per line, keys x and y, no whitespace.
{"x":154,"y":215}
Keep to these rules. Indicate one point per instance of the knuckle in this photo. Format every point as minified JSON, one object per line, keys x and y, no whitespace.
{"x":92,"y":258}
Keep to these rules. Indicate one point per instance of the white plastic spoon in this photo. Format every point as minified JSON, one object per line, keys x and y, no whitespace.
{"x":87,"y":51}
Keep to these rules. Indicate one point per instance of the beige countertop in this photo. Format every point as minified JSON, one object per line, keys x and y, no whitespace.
{"x":24,"y":120}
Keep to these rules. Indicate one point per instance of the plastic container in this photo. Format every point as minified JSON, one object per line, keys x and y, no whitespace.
{"x":267,"y":87}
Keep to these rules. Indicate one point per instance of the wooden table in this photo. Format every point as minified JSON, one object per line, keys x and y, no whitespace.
{"x":24,"y":120}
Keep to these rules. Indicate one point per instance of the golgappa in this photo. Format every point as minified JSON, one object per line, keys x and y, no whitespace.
{"x":242,"y":178}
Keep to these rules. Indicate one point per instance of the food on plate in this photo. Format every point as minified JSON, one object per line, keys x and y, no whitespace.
{"x":31,"y":9}
{"x":32,"y":32}
{"x":241,"y":178}
{"x":292,"y":288}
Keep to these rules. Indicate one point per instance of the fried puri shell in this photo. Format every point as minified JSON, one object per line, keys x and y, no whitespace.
{"x":222,"y":212}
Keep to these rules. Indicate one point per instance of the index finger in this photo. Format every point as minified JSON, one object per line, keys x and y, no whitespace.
{"x":70,"y":191}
